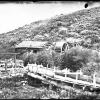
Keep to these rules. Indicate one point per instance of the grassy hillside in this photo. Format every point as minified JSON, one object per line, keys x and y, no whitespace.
{"x":84,"y":23}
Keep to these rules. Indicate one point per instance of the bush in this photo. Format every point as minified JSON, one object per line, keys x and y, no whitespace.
{"x":84,"y":96}
{"x":93,"y":64}
{"x":75,"y":58}
{"x":44,"y":58}
{"x":56,"y":59}
{"x":29,"y":58}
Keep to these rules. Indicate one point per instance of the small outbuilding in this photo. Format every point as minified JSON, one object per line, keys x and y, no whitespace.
{"x":33,"y":46}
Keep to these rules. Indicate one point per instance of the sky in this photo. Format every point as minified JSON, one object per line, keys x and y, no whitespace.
{"x":14,"y":15}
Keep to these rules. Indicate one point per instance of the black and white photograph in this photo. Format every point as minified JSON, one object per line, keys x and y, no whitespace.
{"x":50,"y":50}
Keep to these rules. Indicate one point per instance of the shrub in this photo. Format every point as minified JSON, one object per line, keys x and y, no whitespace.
{"x":56,"y":58}
{"x":44,"y":58}
{"x":93,"y":64}
{"x":89,"y":32}
{"x":83,"y":96}
{"x":29,"y":58}
{"x":75,"y":58}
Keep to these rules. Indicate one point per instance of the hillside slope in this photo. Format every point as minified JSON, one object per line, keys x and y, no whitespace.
{"x":83,"y":23}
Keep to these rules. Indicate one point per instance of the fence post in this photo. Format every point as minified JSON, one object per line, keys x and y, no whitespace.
{"x":32,"y":68}
{"x":94,"y":79}
{"x":36,"y":67}
{"x":45,"y":71}
{"x":66,"y":72}
{"x":47,"y":65}
{"x":5,"y":65}
{"x":34,"y":64}
{"x":76,"y":76}
{"x":54,"y":70}
{"x":28,"y":66}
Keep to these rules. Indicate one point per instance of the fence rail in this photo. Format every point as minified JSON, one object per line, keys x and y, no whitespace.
{"x":64,"y":75}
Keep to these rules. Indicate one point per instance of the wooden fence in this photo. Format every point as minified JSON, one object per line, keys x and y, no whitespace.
{"x":64,"y":75}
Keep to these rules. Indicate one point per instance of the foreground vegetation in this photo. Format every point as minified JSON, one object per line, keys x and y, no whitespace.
{"x":74,"y":59}
{"x":14,"y":89}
